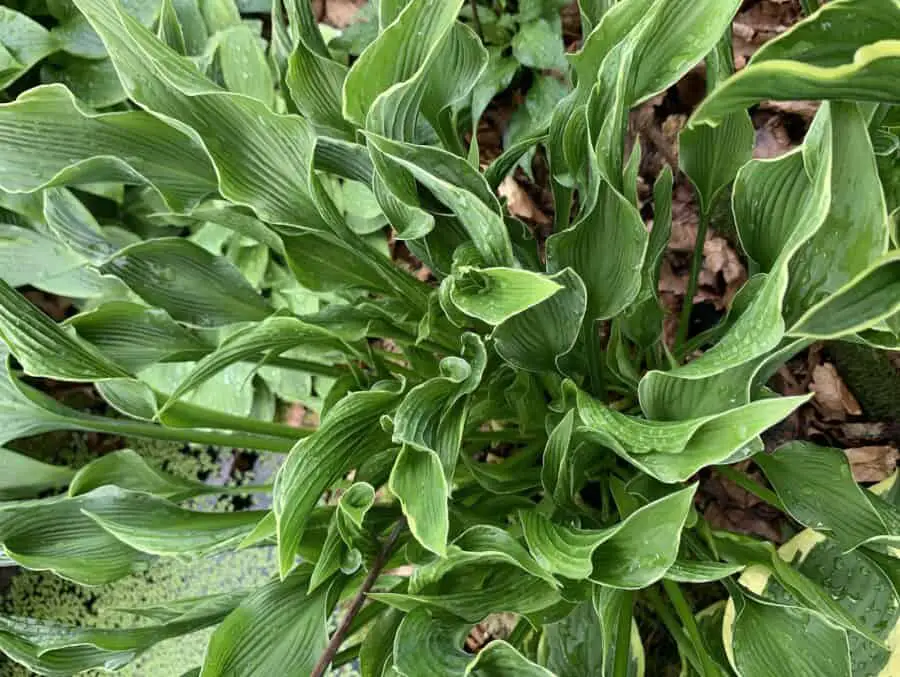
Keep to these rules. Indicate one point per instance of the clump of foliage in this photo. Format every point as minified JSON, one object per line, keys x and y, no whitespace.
{"x":514,"y":438}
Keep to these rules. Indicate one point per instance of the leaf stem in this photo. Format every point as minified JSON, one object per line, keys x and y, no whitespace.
{"x":762,"y":493}
{"x":684,"y":322}
{"x":238,"y":490}
{"x":153,"y":431}
{"x":341,"y":633}
{"x":476,"y":20}
{"x":655,"y":601}
{"x":308,"y":366}
{"x":686,"y":614}
{"x":622,"y":655}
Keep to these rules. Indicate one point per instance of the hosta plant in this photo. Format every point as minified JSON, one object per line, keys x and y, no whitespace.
{"x":512,"y":435}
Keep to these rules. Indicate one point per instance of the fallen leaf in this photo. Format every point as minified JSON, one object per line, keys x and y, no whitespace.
{"x":520,"y":203}
{"x":833,"y":398}
{"x":340,"y":13}
{"x":872,"y":464}
{"x":863,"y":431}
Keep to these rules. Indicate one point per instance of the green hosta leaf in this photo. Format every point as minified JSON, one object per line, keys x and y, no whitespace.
{"x":611,"y":224}
{"x":56,"y":534}
{"x":316,"y":84}
{"x":69,"y":220}
{"x":31,"y":258}
{"x":243,"y":63}
{"x":351,"y":428}
{"x":712,"y":156}
{"x":128,"y":470}
{"x":672,"y":452}
{"x":538,"y":44}
{"x":499,"y":659}
{"x":426,"y":644}
{"x":811,"y":61}
{"x":495,"y":295}
{"x":632,"y":554}
{"x":400,"y":50}
{"x":169,"y":28}
{"x":278,"y":630}
{"x":663,"y":55}
{"x":58,"y":650}
{"x":759,"y":645}
{"x":818,"y":489}
{"x":857,"y":217}
{"x":565,"y":460}
{"x":779,"y":205}
{"x":93,"y":82}
{"x":24,"y":477}
{"x":346,"y":539}
{"x":136,"y":336}
{"x":870,"y":297}
{"x":459,"y":186}
{"x":271,"y":337}
{"x":188,"y":282}
{"x":418,"y":481}
{"x":849,"y":579}
{"x":691,"y":571}
{"x":536,"y":338}
{"x":576,"y":646}
{"x":23,"y":42}
{"x":156,"y":526}
{"x":44,"y":348}
{"x":50,"y":140}
{"x":269,"y":172}
{"x":485,"y":571}
{"x":643,"y":320}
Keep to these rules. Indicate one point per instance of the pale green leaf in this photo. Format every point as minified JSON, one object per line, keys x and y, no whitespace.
{"x":536,"y":338}
{"x":813,"y":61}
{"x":818,"y":489}
{"x":867,"y":299}
{"x":672,"y":452}
{"x":46,"y":349}
{"x":631,"y":554}
{"x":49,"y":139}
{"x":188,"y":282}
{"x":764,"y":642}
{"x":22,"y":476}
{"x":495,"y":295}
{"x":459,"y":186}
{"x":278,"y":630}
{"x":155,"y":526}
{"x":128,"y":470}
{"x":417,"y":480}
{"x":400,"y":50}
{"x":136,"y":336}
{"x":426,"y":644}
{"x":712,"y":156}
{"x":538,"y":44}
{"x":268,"y":170}
{"x":610,"y":224}
{"x":59,"y":650}
{"x":271,"y":337}
{"x":350,"y":429}
{"x":55,"y":534}
{"x":24,"y":42}
{"x":499,"y":659}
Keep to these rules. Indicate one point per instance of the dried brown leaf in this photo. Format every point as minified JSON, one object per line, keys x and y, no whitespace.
{"x":872,"y":464}
{"x":520,"y":203}
{"x":833,"y":399}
